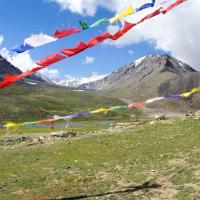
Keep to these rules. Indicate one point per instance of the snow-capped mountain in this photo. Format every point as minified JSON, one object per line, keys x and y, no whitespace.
{"x":144,"y":77}
{"x":75,"y":82}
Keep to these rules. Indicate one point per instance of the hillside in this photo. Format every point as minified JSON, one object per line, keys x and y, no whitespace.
{"x":36,"y":97}
{"x":143,"y":78}
{"x":7,"y":68}
{"x":33,"y":102}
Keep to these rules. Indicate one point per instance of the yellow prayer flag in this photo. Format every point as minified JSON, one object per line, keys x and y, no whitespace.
{"x":10,"y":124}
{"x":129,"y":11}
{"x":104,"y":110}
{"x":187,"y":94}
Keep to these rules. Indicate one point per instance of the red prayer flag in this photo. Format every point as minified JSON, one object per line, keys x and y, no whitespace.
{"x":66,"y":32}
{"x":153,"y":14}
{"x":46,"y":121}
{"x":81,"y":46}
{"x":51,"y":59}
{"x":98,"y":39}
{"x":125,"y":29}
{"x":136,"y":104}
{"x":164,"y":11}
{"x":10,"y":79}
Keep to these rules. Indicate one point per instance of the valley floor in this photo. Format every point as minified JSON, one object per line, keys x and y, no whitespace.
{"x":158,"y":161}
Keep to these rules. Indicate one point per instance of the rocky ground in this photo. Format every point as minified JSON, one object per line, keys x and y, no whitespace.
{"x":137,"y":160}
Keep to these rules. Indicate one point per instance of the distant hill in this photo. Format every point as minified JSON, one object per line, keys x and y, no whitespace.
{"x":143,"y":78}
{"x":36,"y":97}
{"x":150,"y":76}
{"x":26,"y":102}
{"x":7,"y":68}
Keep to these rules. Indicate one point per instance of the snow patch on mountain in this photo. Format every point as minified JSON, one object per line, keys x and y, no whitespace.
{"x":139,"y":60}
{"x":75,"y":82}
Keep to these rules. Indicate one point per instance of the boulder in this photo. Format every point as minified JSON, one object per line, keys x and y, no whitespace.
{"x":189,"y":115}
{"x":63,"y":134}
{"x":35,"y":141}
{"x":197,"y":114}
{"x":159,"y":117}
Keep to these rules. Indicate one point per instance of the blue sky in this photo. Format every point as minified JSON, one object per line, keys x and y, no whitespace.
{"x":21,"y":18}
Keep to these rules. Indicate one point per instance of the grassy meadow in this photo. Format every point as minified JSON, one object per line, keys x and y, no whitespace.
{"x":159,"y":161}
{"x":29,"y":103}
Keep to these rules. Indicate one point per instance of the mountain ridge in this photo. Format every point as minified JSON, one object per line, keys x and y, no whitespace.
{"x":7,"y":68}
{"x":140,"y":79}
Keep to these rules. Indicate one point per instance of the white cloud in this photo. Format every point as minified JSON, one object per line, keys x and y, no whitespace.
{"x":83,"y":7}
{"x":22,"y":61}
{"x":89,"y":7}
{"x":1,"y":39}
{"x":130,"y":52}
{"x":50,"y":73}
{"x":177,"y":32}
{"x":89,"y":60}
{"x":169,"y":32}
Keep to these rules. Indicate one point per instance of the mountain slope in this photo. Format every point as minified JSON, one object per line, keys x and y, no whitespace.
{"x":141,"y":79}
{"x":29,"y":102}
{"x":36,"y":97}
{"x":7,"y":68}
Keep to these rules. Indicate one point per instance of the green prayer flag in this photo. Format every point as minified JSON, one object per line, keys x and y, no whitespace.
{"x":118,"y":108}
{"x":99,"y":22}
{"x":29,"y":123}
{"x":83,"y":24}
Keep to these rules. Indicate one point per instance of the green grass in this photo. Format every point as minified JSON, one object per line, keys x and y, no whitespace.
{"x":165,"y":154}
{"x":25,"y":103}
{"x":31,"y":131}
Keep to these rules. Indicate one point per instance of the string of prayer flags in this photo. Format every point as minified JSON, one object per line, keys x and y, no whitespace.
{"x":104,"y":110}
{"x":81,"y":46}
{"x":36,"y":40}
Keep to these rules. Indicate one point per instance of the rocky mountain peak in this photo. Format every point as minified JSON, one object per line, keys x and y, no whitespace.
{"x":143,"y":70}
